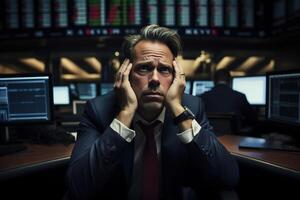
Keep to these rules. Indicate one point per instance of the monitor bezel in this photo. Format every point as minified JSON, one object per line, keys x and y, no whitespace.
{"x":249,"y":76}
{"x":70,"y":100}
{"x":281,"y":72}
{"x":51,"y":113}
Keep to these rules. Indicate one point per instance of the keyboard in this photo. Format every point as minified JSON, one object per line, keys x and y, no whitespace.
{"x":262,"y":143}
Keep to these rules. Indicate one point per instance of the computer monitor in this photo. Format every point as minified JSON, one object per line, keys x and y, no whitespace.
{"x":78,"y":107}
{"x":188,"y":86}
{"x":25,"y":98}
{"x":106,"y":87}
{"x":254,"y":87}
{"x":61,"y":95}
{"x":201,"y":86}
{"x":283,"y":97}
{"x":86,"y":91}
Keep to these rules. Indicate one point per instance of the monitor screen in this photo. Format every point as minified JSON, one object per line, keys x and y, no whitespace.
{"x":86,"y":91}
{"x":188,"y":86}
{"x":78,"y":107}
{"x":61,"y":95}
{"x":254,"y":87}
{"x":199,"y":87}
{"x":283,"y":97}
{"x":106,"y":87}
{"x":25,"y":98}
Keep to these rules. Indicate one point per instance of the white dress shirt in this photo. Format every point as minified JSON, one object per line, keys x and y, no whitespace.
{"x":128,"y":134}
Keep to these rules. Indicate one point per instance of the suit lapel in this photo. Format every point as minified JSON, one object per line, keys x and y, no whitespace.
{"x":169,"y":130}
{"x":173,"y":157}
{"x":167,"y":142}
{"x":127,"y":163}
{"x":128,"y":158}
{"x":111,"y":111}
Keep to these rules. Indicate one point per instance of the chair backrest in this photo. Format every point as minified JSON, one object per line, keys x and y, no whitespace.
{"x":223,"y":123}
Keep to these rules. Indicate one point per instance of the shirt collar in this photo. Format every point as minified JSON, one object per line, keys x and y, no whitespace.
{"x":160,"y":117}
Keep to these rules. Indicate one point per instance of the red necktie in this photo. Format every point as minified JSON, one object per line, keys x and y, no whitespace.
{"x":150,"y":164}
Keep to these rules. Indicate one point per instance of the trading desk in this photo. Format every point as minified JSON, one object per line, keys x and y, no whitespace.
{"x":264,"y":174}
{"x":34,"y":158}
{"x":285,"y":161}
{"x":42,"y":156}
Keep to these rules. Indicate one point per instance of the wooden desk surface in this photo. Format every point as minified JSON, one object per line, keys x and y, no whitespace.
{"x":35,"y":154}
{"x":282,"y":159}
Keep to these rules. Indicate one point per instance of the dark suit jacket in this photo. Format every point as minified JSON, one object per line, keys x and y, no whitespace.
{"x":223,"y":98}
{"x":102,"y":161}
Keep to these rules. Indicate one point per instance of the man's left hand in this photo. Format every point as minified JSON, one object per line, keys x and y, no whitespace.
{"x":176,"y":90}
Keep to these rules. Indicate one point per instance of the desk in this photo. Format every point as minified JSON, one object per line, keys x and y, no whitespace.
{"x":280,"y":159}
{"x":35,"y":157}
{"x":37,"y":154}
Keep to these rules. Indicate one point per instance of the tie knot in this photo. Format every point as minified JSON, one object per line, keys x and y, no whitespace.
{"x":149,"y":128}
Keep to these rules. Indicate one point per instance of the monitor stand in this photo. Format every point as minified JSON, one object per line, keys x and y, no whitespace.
{"x":6,"y":145}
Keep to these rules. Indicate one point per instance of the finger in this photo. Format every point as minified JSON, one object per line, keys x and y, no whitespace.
{"x":177,"y":72}
{"x":118,"y":79}
{"x":124,"y":68}
{"x":179,"y":67}
{"x":124,"y":65}
{"x":121,"y":71}
{"x":123,"y":74}
{"x":127,"y":72}
{"x":117,"y":84}
{"x":118,"y":76}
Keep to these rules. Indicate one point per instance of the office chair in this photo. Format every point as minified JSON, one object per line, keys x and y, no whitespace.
{"x":223,"y":123}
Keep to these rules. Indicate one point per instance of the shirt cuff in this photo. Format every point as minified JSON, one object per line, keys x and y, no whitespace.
{"x":188,"y":135}
{"x":126,"y":133}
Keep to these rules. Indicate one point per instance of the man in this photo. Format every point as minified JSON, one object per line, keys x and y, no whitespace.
{"x":222,"y":98}
{"x":113,"y":158}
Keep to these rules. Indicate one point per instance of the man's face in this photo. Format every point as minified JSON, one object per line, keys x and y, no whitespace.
{"x":151,"y":75}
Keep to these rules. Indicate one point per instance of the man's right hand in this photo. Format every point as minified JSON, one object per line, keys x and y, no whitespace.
{"x":126,"y":96}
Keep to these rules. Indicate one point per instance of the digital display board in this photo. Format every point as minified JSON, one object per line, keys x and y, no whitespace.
{"x":92,"y":18}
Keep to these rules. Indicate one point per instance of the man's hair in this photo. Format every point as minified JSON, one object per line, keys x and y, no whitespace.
{"x":152,"y":33}
{"x":222,"y":75}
